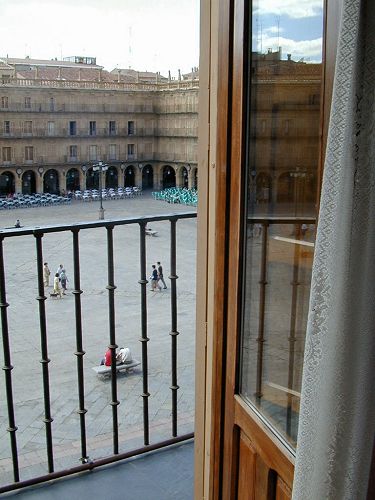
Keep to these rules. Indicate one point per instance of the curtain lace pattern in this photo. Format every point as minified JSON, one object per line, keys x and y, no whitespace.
{"x":337,"y":414}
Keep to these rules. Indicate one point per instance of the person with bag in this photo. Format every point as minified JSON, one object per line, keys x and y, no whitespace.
{"x":63,"y":280}
{"x":154,"y":279}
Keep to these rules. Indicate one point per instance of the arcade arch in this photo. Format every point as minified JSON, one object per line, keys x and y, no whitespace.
{"x":147,"y":177}
{"x":169,"y":177}
{"x":29,"y":182}
{"x":51,"y":182}
{"x":111,"y":178}
{"x":7,"y":183}
{"x":129,"y":180}
{"x":72,"y":180}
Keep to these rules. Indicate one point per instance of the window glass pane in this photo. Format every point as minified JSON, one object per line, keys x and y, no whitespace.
{"x":285,"y":75}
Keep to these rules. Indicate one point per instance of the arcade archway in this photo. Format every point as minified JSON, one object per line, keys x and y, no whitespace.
{"x":169,"y":177}
{"x":29,"y":182}
{"x":147,"y":177}
{"x":111,"y":178}
{"x":72,"y":180}
{"x":184,"y":178}
{"x":92,"y":179}
{"x":129,"y":180}
{"x":7,"y":183}
{"x":51,"y":182}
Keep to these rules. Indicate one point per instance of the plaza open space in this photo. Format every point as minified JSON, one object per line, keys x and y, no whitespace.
{"x":25,"y":337}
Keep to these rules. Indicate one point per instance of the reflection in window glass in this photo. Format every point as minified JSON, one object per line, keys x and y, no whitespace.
{"x":282,"y":168}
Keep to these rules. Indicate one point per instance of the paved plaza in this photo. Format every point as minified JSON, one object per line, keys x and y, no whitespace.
{"x":24,"y":329}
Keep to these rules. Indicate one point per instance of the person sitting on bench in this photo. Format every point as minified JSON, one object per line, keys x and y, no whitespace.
{"x":124,"y":355}
{"x":107,"y":358}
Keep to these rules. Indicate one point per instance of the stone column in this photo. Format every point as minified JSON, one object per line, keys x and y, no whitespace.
{"x":39,"y":182}
{"x":62,"y":179}
{"x":82,"y":180}
{"x":158,"y":177}
{"x":17,"y":183}
{"x":191,"y":178}
{"x":138,"y":176}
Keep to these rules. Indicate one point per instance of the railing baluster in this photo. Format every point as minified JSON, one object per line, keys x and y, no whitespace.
{"x":79,"y":344}
{"x":12,"y":428}
{"x":112,"y":335}
{"x":173,"y":277}
{"x":44,"y":348}
{"x":144,"y":339}
{"x":292,"y":333}
{"x":262,"y":308}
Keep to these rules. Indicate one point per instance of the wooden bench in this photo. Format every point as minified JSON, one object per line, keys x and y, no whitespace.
{"x":107,"y":370}
{"x":151,"y":232}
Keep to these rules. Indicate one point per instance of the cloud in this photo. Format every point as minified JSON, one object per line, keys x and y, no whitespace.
{"x":291,"y":8}
{"x":309,"y":50}
{"x":274,"y":29}
{"x":119,"y":33}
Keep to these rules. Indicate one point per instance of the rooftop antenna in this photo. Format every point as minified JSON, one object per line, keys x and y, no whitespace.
{"x":130,"y":47}
{"x":278,"y":32}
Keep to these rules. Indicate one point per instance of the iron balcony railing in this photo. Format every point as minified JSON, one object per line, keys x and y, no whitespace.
{"x":110,"y":227}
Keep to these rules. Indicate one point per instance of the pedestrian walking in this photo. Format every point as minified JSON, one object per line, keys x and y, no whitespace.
{"x":46,"y":274}
{"x":56,"y":285}
{"x":63,"y":280}
{"x":154,"y":279}
{"x":160,"y":274}
{"x":59,"y":269}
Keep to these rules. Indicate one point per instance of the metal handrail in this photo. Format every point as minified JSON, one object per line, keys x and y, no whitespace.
{"x":38,"y":233}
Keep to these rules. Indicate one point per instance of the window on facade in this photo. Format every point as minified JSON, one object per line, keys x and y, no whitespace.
{"x":52,"y":104}
{"x":73,"y":151}
{"x":112,"y":152}
{"x":131,"y":149}
{"x":112,"y":128}
{"x":27,"y":102}
{"x":51,"y":128}
{"x":92,"y":128}
{"x":6,"y":127}
{"x":4,"y":102}
{"x":7,"y":154}
{"x":28,"y":127}
{"x":29,"y":153}
{"x":131,"y":128}
{"x":93,"y":153}
{"x":72,"y":128}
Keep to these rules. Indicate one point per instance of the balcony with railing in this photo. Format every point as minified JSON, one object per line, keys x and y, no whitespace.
{"x":60,"y":416}
{"x":65,"y":414}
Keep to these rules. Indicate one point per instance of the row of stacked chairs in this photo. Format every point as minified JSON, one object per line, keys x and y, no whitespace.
{"x":33,"y":200}
{"x":108,"y":194}
{"x":177,"y":195}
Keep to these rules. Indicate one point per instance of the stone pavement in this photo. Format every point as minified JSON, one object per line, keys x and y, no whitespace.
{"x":23,"y":321}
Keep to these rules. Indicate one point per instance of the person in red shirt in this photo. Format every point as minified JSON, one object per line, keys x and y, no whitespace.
{"x":107,"y":358}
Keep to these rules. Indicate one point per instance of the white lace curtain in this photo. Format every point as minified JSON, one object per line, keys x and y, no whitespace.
{"x":337,"y":416}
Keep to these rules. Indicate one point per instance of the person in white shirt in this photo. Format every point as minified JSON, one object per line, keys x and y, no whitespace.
{"x":124,"y":355}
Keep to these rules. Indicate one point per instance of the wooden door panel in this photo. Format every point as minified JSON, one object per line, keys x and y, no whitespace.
{"x":257,"y":480}
{"x":246,"y":469}
{"x":282,"y":490}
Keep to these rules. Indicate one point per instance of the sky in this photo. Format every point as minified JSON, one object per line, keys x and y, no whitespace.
{"x":294,"y":25}
{"x":147,"y":35}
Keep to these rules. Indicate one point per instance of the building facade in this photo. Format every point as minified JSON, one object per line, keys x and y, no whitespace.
{"x":59,"y":118}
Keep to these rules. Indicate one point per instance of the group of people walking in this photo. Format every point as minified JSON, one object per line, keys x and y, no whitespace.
{"x":156,"y":276}
{"x":59,"y":281}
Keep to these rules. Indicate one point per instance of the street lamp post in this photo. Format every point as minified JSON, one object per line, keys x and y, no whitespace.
{"x":101,"y":167}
